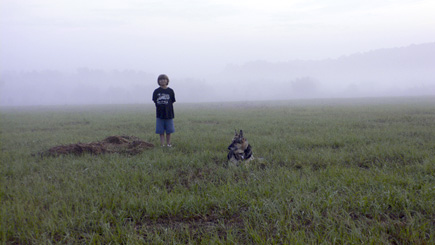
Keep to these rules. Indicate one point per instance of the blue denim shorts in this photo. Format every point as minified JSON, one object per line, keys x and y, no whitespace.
{"x":163,"y":125}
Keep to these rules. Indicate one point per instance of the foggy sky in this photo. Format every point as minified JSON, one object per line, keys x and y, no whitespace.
{"x":192,"y":37}
{"x":197,"y":39}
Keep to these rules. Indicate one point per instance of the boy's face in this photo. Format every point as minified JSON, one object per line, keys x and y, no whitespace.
{"x":163,"y":82}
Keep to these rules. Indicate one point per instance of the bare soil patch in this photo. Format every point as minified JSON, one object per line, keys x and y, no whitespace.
{"x":113,"y":144}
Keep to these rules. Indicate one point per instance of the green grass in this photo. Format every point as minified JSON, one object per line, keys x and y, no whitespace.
{"x":331,"y":171}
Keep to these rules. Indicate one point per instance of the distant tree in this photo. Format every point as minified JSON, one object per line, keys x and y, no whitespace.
{"x":304,"y":85}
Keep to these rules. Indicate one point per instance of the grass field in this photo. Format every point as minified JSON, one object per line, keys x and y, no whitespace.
{"x":331,"y":171}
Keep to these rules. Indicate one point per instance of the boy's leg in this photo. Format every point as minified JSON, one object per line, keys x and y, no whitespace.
{"x":168,"y":139}
{"x":160,"y":129}
{"x":169,"y":130}
{"x":162,"y":139}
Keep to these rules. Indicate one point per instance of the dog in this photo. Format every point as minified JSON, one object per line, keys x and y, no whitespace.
{"x":239,"y":149}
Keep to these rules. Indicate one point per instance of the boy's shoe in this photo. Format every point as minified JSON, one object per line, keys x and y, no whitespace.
{"x":169,"y":145}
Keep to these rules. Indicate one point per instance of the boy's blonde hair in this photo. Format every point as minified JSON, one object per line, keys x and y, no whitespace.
{"x":161,"y":77}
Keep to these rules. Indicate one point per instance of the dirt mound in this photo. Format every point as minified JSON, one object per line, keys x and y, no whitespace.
{"x":112,"y":144}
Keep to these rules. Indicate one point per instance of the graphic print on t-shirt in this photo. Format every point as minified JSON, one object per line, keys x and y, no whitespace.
{"x":163,"y":99}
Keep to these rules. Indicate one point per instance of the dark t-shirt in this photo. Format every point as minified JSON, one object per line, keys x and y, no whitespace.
{"x":164,"y":98}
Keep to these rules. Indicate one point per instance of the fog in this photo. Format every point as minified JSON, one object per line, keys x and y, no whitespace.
{"x":111,"y":52}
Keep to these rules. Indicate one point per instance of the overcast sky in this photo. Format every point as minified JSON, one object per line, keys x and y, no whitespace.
{"x":194,"y":37}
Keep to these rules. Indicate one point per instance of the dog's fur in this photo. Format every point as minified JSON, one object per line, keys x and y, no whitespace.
{"x":239,"y":149}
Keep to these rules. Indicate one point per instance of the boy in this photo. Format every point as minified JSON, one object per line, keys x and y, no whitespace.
{"x":164,"y":97}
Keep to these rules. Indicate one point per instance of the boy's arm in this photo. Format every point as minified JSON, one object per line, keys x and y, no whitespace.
{"x":155,"y":97}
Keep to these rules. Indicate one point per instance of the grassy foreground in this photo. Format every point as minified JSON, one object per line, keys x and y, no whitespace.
{"x":332,"y":171}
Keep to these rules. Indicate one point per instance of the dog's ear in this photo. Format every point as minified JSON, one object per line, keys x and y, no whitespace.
{"x":235,"y":133}
{"x":241,"y":134}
